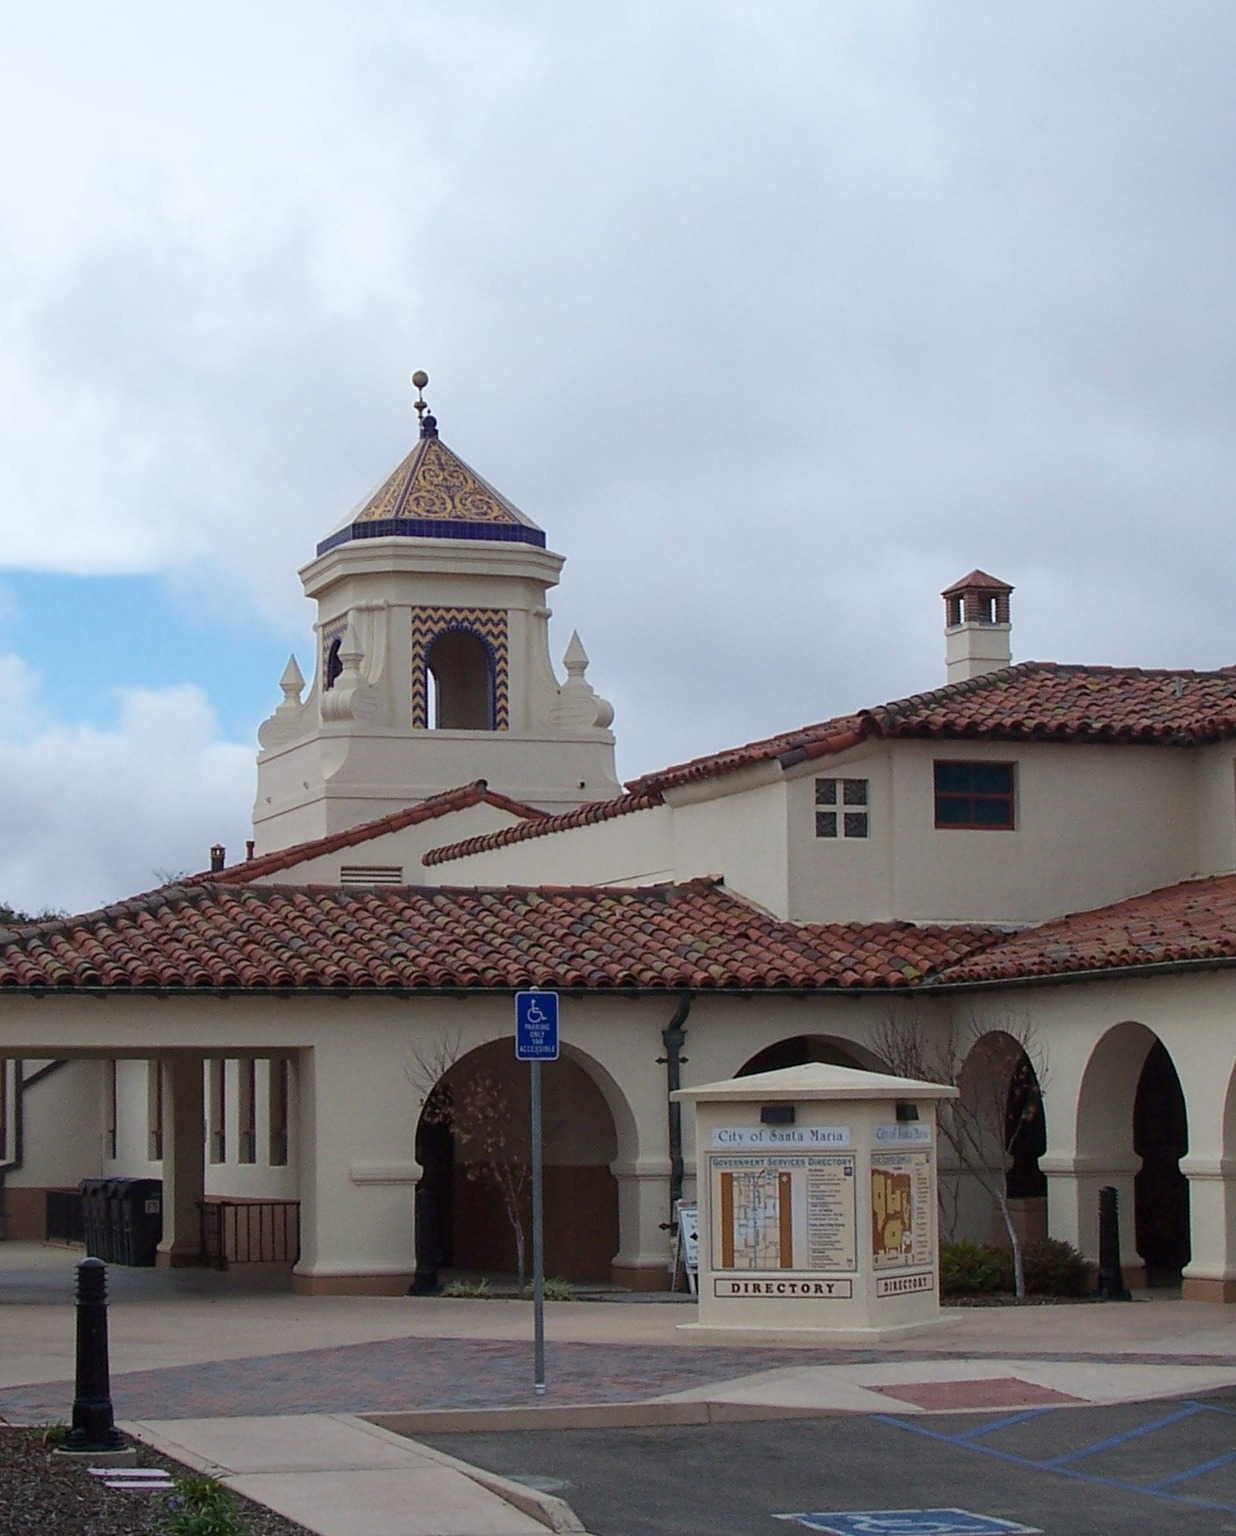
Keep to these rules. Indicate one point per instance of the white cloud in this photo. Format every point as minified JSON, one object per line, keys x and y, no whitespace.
{"x":777,"y":318}
{"x":88,"y":816}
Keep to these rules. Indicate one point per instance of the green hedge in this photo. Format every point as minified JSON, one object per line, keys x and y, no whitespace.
{"x":978,"y":1269}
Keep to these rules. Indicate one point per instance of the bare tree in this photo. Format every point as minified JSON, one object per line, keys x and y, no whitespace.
{"x":999,"y":1068}
{"x":475,"y":1105}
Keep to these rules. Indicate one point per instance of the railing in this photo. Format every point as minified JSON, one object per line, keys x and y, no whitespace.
{"x":250,"y":1232}
{"x":64,"y":1219}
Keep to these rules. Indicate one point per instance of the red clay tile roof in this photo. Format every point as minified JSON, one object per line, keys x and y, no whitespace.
{"x":976,"y":579}
{"x":1033,"y":701}
{"x":424,"y":810}
{"x":1194,"y":921}
{"x":274,"y":938}
{"x":581,"y":816}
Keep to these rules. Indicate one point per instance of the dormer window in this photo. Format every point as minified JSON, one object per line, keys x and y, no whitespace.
{"x":977,"y":796}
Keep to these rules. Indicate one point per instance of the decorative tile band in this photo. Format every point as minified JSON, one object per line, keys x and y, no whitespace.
{"x":489,"y":625}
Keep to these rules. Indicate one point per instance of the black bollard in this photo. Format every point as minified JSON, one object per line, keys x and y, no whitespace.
{"x":425,"y":1280}
{"x":1110,"y":1285}
{"x":94,"y":1425}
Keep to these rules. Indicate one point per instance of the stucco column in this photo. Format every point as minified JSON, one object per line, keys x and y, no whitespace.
{"x":1211,"y":1273}
{"x":1073,"y":1185}
{"x":356,"y":1126}
{"x":184,"y":1162}
{"x":642,"y":1260}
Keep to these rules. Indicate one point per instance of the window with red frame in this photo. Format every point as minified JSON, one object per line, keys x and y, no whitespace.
{"x":975,"y":795}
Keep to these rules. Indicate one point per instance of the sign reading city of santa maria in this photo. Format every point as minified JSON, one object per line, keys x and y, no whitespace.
{"x":536,"y":1026}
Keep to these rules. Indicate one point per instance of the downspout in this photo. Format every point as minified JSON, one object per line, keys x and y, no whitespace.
{"x":673,"y":1038}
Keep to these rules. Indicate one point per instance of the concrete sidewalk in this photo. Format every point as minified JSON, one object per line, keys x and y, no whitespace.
{"x":266,"y":1390}
{"x":340,"y":1476}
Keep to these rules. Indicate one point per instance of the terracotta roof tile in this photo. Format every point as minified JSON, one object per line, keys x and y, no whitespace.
{"x":582,"y":816}
{"x":424,"y":810}
{"x":1033,"y":701}
{"x":1194,"y":921}
{"x":976,"y":579}
{"x":270,"y":938}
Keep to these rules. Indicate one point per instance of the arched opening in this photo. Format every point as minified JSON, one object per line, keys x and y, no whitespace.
{"x":1160,"y":1189}
{"x":799,"y":1050}
{"x":1131,"y":1120}
{"x":992,"y":1137}
{"x":333,"y":666}
{"x":473,"y":1144}
{"x":459,"y":683}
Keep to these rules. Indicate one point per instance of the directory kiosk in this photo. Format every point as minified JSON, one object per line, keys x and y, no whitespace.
{"x":817,"y":1200}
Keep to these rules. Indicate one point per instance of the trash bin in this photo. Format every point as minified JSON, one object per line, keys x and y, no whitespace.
{"x":113,"y":1220}
{"x":142,"y":1205}
{"x":90,"y":1193}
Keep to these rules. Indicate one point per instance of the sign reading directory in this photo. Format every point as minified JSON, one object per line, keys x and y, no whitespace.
{"x":536,"y":1026}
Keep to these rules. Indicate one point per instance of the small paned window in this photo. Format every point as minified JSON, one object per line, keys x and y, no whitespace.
{"x":841,"y":808}
{"x":978,"y":796}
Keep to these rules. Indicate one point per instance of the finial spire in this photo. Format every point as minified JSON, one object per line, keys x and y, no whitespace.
{"x":429,"y":424}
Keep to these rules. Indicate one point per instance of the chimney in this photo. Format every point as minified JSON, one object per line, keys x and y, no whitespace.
{"x":218,"y":857}
{"x":977,"y":631}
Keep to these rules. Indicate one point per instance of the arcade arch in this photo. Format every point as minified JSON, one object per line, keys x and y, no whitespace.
{"x":1132,"y":1132}
{"x":799,"y":1050}
{"x":473,"y":1146}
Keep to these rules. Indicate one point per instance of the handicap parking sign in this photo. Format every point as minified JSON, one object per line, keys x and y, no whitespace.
{"x":908,"y":1522}
{"x":536,"y":1026}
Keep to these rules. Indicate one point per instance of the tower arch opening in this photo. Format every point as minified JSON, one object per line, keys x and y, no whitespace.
{"x":460,"y":680}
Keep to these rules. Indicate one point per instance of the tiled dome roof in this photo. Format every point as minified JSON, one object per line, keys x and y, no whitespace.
{"x":434,"y":495}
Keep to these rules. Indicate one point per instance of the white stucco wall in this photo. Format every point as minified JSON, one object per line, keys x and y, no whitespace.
{"x":1093,"y":824}
{"x":1216,"y":809}
{"x":67,"y":1098}
{"x":740,"y":836}
{"x":627,"y":850}
{"x":403,"y":848}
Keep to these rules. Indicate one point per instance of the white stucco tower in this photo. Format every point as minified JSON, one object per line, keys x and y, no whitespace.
{"x":432,"y":665}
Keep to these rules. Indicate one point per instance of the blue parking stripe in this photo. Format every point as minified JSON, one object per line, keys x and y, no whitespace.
{"x":1186,"y":1412}
{"x":1154,"y":1491}
{"x":1182,"y":1477}
{"x":1005,"y":1423}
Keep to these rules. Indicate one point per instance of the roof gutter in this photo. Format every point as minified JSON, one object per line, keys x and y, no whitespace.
{"x":929,"y":986}
{"x":1098,"y":973}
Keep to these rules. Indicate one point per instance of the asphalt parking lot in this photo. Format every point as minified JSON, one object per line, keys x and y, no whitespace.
{"x":1131,"y":1470}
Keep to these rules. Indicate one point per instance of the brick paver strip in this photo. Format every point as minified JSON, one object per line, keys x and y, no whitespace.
{"x":417,"y":1373}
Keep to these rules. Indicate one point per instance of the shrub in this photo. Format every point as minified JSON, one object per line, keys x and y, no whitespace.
{"x":1055,"y":1268}
{"x":556,"y":1289}
{"x":202,"y":1507}
{"x":1052,"y":1268}
{"x":974,"y":1269}
{"x":469,"y":1290}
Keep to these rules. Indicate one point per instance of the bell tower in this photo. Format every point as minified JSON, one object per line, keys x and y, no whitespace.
{"x":432,"y":666}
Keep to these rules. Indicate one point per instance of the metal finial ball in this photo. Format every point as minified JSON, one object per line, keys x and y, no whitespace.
{"x":420,"y":378}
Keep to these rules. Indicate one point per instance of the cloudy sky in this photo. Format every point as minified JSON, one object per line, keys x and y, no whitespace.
{"x":777,"y":315}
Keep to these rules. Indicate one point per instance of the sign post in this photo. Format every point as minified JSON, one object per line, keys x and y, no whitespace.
{"x":536,"y":1040}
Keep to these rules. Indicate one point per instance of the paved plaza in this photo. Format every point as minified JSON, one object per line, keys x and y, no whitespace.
{"x":193,"y":1353}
